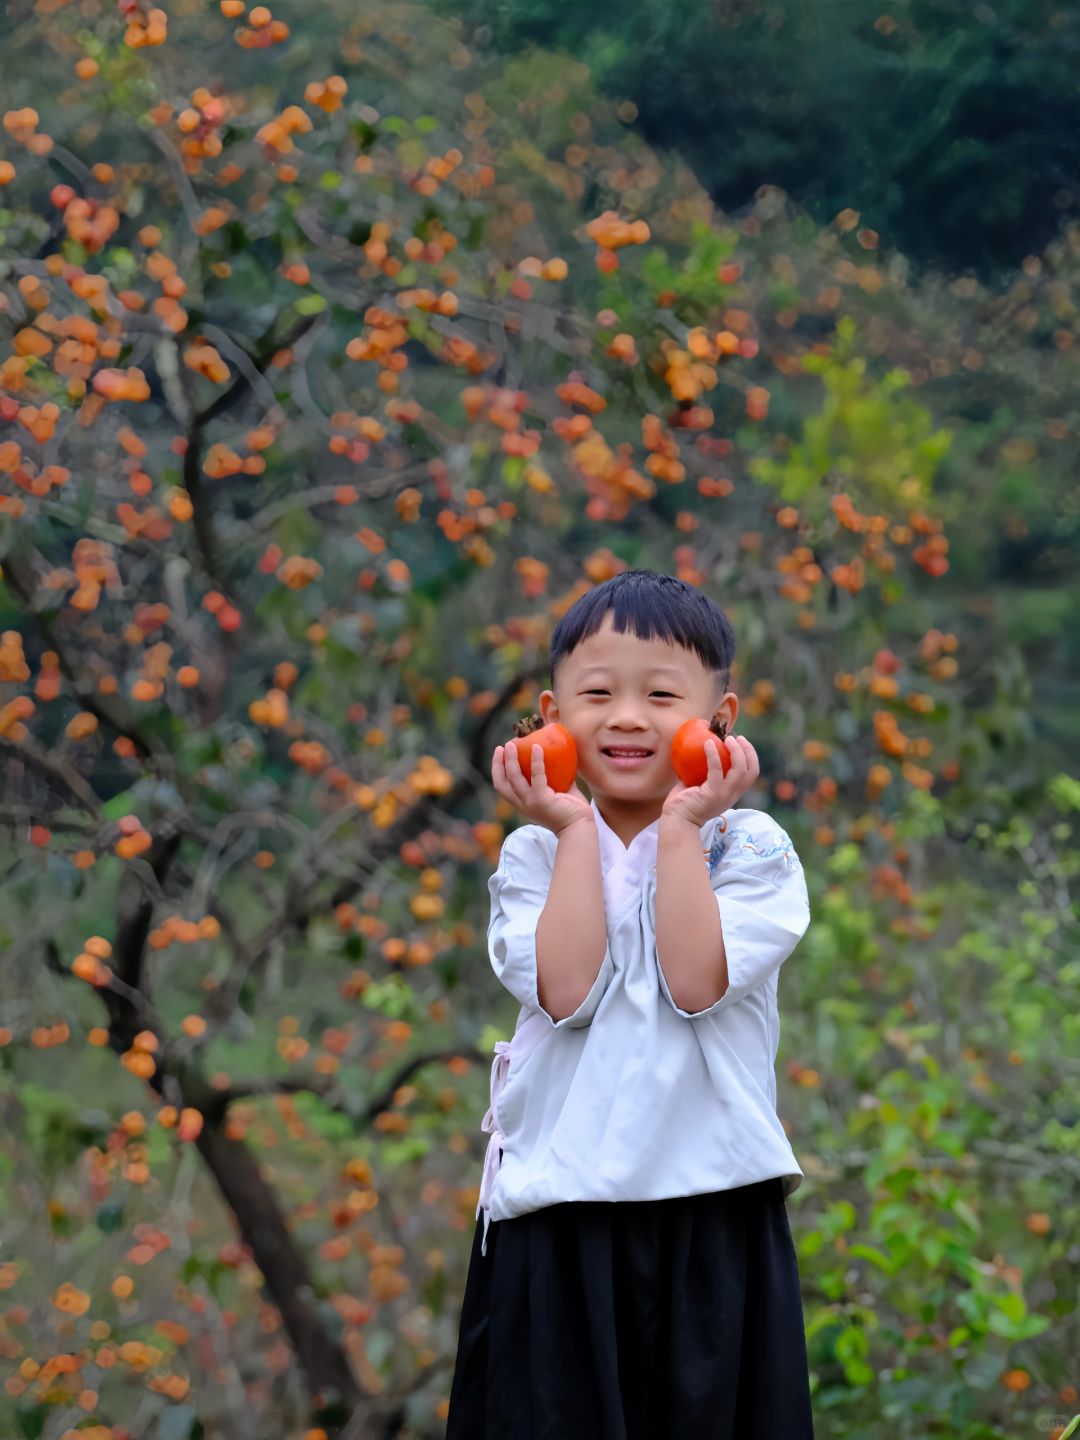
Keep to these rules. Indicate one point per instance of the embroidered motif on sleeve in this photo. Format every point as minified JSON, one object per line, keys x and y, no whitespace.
{"x":728,"y":841}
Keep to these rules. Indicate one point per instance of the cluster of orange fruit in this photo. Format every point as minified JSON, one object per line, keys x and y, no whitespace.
{"x":13,"y":666}
{"x":88,"y":965}
{"x":276,"y":135}
{"x":327,"y":94}
{"x":297,"y":572}
{"x":445,"y":304}
{"x":139,"y":1059}
{"x":804,"y":574}
{"x":204,"y":360}
{"x":437,"y":168}
{"x":175,"y":930}
{"x":381,"y":342}
{"x":116,"y":385}
{"x":310,"y":756}
{"x":40,"y":422}
{"x":889,"y":736}
{"x":95,"y":569}
{"x":12,"y":716}
{"x":932,"y":556}
{"x":574,"y":392}
{"x":533,"y":268}
{"x":222,"y":460}
{"x":273,"y":710}
{"x":187,"y":1122}
{"x":198,"y":124}
{"x":91,"y":223}
{"x":144,"y":27}
{"x":149,"y":523}
{"x":504,"y":409}
{"x":223,"y":611}
{"x":22,"y":125}
{"x":261,"y":31}
{"x":612,"y":482}
{"x":611,"y":233}
{"x":81,"y":726}
{"x":439,"y":242}
{"x":134,"y":840}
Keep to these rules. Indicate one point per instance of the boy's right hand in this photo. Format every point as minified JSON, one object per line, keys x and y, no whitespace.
{"x":537,"y":801}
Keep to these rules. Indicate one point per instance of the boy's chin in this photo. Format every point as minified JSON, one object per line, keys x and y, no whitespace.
{"x":617,"y":792}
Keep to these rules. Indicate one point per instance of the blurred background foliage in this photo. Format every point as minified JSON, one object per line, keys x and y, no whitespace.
{"x":950,"y":123}
{"x":341,"y":349}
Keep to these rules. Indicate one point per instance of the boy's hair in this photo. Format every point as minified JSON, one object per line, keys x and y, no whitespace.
{"x":650,"y":605}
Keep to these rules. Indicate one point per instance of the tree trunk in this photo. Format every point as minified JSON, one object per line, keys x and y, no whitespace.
{"x":327,"y":1374}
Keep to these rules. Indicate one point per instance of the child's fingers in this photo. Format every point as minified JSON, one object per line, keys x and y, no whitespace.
{"x":521,"y":782}
{"x":498,"y":774}
{"x":507,"y":771}
{"x":513,"y":768}
{"x":753,"y":764}
{"x":745,"y":749}
{"x":713,"y":748}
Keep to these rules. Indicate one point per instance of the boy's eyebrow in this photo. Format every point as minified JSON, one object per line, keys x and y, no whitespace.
{"x":653,"y":670}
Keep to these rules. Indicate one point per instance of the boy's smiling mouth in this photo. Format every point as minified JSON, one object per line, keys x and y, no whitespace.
{"x":626,"y":758}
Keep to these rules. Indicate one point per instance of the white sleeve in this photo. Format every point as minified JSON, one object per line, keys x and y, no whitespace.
{"x":760,"y":887}
{"x":519,"y":891}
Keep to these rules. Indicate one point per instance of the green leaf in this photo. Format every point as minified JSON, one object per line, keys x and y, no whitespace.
{"x":867,"y":1252}
{"x":933,"y":1249}
{"x":32,"y":1420}
{"x":1013,"y":1306}
{"x":401,"y":1152}
{"x":965,"y":1213}
{"x":310,"y":304}
{"x":119,"y":806}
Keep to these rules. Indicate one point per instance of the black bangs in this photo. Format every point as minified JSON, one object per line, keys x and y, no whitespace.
{"x":651,"y":606}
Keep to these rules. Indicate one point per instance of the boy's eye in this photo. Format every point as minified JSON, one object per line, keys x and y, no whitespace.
{"x":668,"y":693}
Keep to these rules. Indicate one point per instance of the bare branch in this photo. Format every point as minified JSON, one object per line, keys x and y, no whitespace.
{"x":63,"y":775}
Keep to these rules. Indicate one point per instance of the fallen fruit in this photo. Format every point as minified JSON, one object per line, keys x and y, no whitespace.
{"x":689,"y":758}
{"x":557,"y":744}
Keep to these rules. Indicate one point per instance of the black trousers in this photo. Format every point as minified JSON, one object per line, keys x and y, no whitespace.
{"x":676,"y":1319}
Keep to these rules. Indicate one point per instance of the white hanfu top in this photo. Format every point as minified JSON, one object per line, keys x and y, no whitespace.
{"x":630,"y":1097}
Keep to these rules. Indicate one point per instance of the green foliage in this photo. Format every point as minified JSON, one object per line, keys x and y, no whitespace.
{"x":867,"y":431}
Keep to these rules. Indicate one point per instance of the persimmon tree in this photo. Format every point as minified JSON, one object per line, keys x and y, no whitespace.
{"x":337,"y":361}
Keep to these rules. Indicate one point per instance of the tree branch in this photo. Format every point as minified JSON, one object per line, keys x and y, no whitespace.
{"x":55,"y":769}
{"x":325,"y":1088}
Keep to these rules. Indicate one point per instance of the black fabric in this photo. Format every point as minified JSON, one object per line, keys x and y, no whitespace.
{"x":676,"y":1319}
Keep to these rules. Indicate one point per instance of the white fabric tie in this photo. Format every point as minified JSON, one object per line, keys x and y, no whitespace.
{"x":500,"y":1067}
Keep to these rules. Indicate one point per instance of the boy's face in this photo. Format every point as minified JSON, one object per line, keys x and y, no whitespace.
{"x":618,"y":690}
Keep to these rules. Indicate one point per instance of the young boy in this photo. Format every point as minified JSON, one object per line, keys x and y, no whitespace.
{"x":639,"y":1279}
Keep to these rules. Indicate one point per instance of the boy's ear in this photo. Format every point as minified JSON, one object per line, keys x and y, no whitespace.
{"x":548,"y":706}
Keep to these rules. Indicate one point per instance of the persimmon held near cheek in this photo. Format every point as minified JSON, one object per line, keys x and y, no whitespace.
{"x":557,"y":744}
{"x":689,"y":758}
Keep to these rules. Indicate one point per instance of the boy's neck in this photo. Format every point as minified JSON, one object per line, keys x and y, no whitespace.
{"x":626,"y":825}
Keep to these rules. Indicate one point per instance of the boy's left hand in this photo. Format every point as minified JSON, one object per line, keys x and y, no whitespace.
{"x":700,"y":803}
